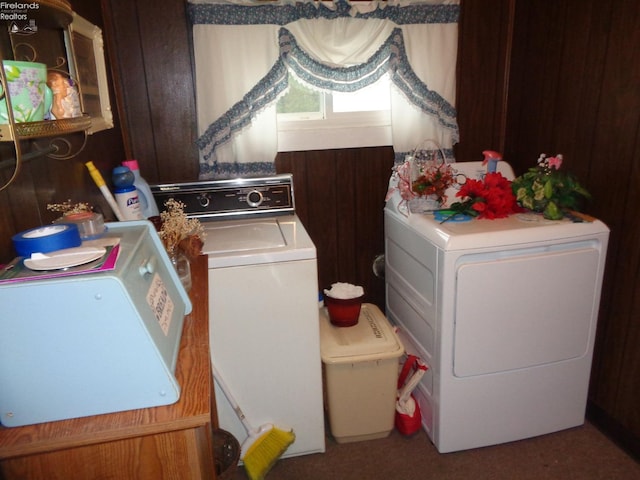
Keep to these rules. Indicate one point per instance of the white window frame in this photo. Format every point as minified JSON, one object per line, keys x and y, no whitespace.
{"x":328,"y":129}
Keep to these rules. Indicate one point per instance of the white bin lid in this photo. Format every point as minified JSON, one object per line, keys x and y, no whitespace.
{"x":372,"y":338}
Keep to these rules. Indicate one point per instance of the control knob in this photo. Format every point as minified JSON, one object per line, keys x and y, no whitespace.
{"x":254,"y":198}
{"x":204,"y":200}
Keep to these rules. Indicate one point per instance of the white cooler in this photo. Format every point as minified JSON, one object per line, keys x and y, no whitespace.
{"x":361,"y":366}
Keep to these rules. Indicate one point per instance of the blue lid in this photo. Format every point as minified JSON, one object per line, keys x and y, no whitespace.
{"x":122,"y":177}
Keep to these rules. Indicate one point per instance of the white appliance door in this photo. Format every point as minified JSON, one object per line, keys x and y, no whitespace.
{"x":525,"y":308}
{"x":265,"y":340}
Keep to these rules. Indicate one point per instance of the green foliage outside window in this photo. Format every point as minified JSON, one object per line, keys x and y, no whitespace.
{"x":299,"y":99}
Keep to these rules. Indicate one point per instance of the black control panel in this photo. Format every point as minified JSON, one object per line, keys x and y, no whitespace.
{"x":230,"y":198}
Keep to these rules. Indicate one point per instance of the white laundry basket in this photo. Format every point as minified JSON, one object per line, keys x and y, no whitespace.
{"x":360,"y":372}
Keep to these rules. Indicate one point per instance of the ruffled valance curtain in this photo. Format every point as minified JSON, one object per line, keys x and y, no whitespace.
{"x":244,"y":52}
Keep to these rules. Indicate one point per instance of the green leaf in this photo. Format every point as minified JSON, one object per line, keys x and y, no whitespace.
{"x":582,"y":191}
{"x":552,"y":212}
{"x":548,"y":189}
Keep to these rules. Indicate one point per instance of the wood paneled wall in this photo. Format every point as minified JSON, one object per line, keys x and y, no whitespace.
{"x":482,"y":76}
{"x":575,"y":89}
{"x":533,"y":76}
{"x":340,"y":199}
{"x":153,"y":76}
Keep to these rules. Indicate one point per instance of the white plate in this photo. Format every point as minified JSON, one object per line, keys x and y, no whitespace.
{"x":69,"y":257}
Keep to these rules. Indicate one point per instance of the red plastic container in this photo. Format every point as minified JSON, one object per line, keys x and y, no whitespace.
{"x":343,"y":312}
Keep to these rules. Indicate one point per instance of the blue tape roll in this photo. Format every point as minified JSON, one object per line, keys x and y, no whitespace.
{"x":46,"y":239}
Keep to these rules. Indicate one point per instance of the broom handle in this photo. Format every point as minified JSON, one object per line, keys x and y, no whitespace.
{"x":234,"y":403}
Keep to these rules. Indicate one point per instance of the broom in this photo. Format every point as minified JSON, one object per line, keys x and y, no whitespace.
{"x":263,"y":446}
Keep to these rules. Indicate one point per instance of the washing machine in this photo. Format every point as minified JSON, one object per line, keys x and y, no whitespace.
{"x":504,"y":314}
{"x":263,"y":304}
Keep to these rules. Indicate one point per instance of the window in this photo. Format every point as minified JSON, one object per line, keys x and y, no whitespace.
{"x":312,"y":120}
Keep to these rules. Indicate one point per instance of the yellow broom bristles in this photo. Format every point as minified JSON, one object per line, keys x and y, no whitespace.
{"x":266,"y":451}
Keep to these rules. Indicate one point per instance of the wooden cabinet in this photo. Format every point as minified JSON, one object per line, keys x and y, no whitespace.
{"x":161,"y":443}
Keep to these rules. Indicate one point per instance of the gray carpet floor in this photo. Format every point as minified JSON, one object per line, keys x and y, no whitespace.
{"x":582,"y":453}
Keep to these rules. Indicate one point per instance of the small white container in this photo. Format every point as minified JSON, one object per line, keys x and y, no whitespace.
{"x":361,"y":366}
{"x":128,"y":203}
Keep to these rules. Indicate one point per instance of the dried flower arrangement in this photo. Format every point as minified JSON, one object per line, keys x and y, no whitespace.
{"x":68,"y":208}
{"x":179,"y":232}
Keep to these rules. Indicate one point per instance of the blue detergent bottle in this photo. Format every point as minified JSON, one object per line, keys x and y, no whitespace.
{"x":148,"y":204}
{"x":126,"y":193}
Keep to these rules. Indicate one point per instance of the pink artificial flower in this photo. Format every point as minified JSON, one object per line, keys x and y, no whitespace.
{"x":555,"y":162}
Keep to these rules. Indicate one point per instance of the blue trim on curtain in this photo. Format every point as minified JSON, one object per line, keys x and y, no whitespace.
{"x":339,"y":79}
{"x":417,"y":91}
{"x":241,"y":114}
{"x":236,"y":14}
{"x":390,"y":57}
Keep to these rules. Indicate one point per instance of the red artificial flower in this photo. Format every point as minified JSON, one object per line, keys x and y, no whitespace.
{"x":479,"y":206}
{"x":489,"y":198}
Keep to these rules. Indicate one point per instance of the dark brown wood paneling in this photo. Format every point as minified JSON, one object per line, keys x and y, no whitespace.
{"x":482,"y":76}
{"x":557,"y":67}
{"x":575,"y":90}
{"x":123,"y":37}
{"x":154,"y":72}
{"x":340,"y":200}
{"x":615,"y":172}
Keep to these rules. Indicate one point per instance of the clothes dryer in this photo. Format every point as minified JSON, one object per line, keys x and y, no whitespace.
{"x":503,"y":312}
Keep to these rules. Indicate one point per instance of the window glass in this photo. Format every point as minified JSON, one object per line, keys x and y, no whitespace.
{"x":310,"y":120}
{"x":300,"y":102}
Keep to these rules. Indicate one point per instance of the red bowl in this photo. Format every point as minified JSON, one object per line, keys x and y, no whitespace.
{"x":343,"y":312}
